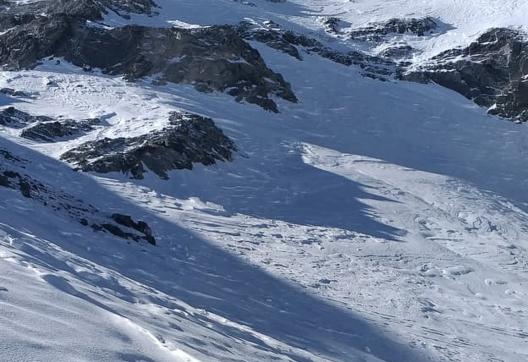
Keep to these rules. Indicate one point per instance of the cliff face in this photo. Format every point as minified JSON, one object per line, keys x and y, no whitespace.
{"x":491,"y":71}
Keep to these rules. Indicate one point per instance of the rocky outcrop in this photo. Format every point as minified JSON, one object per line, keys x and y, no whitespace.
{"x":492,"y":71}
{"x":126,"y":7}
{"x":212,"y":58}
{"x":13,"y":176}
{"x":275,"y":37}
{"x":141,"y":226}
{"x":13,"y":92}
{"x":332,"y":24}
{"x":187,"y":140}
{"x":52,"y":131}
{"x":20,"y":12}
{"x":291,"y":43}
{"x":24,"y":45}
{"x":398,"y":52}
{"x":376,"y":32}
{"x":43,"y":128}
{"x":15,"y":118}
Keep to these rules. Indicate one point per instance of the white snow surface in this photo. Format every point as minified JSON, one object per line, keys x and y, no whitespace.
{"x":371,"y":221}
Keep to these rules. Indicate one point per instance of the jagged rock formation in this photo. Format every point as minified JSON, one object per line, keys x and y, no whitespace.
{"x":376,"y":31}
{"x":15,"y":118}
{"x":43,"y":128}
{"x":21,"y":12}
{"x":13,"y":176}
{"x":398,"y":52}
{"x":492,"y":71}
{"x":140,"y":226}
{"x":188,"y":139}
{"x":52,"y":131}
{"x":289,"y":42}
{"x":13,"y":92}
{"x":213,"y":58}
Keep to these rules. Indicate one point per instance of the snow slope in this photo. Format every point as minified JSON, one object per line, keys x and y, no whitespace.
{"x":370,"y":221}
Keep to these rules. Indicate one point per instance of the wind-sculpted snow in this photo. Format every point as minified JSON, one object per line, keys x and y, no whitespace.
{"x":368,"y":221}
{"x":175,"y":302}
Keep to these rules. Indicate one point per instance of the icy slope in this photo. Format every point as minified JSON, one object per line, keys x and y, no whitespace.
{"x":382,"y":217}
{"x":370,"y":221}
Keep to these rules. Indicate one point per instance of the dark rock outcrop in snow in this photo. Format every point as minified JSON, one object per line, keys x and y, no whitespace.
{"x":15,"y":118}
{"x":52,"y":131}
{"x":290,"y":42}
{"x":14,"y":176}
{"x":13,"y":93}
{"x":43,"y":128}
{"x":332,"y":24}
{"x":126,"y":7}
{"x":212,"y":58}
{"x":187,"y":140}
{"x":492,"y":71}
{"x":140,"y":226}
{"x":376,"y":31}
{"x":398,"y":52}
{"x":16,"y":13}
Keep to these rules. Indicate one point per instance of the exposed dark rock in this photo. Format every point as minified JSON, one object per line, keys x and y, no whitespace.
{"x":12,"y":92}
{"x":12,"y":117}
{"x":43,"y":128}
{"x":271,"y":35}
{"x":8,"y":156}
{"x":26,"y":185}
{"x":54,"y":130}
{"x":188,"y":139}
{"x":332,"y":24}
{"x":492,"y":72}
{"x":119,"y":232}
{"x":24,"y":45}
{"x":140,"y":226}
{"x":126,"y":7}
{"x":398,"y":52}
{"x":289,"y":42}
{"x":12,"y":176}
{"x":212,"y":59}
{"x":113,"y":229}
{"x":377,"y":31}
{"x":25,"y":188}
